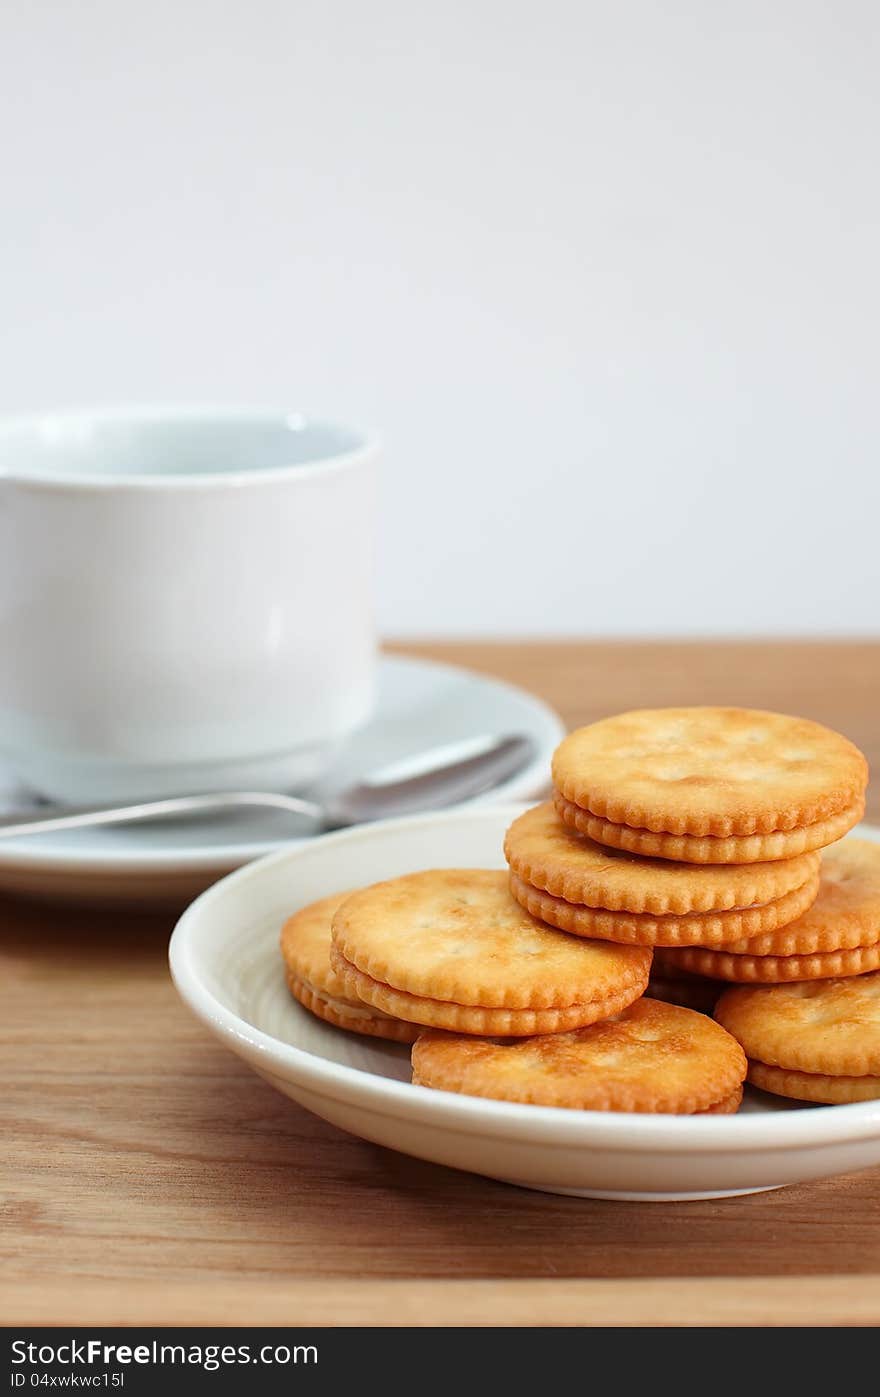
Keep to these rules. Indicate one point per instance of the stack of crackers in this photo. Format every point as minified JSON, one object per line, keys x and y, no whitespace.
{"x":681,"y":852}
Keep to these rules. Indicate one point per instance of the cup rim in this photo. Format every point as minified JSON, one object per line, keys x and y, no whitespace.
{"x":366,"y":448}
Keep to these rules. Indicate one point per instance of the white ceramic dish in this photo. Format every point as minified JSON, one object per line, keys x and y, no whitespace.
{"x":420,"y":705}
{"x":225,"y":963}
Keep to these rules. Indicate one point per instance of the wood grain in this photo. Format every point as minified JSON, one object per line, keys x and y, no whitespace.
{"x":798,"y":1301}
{"x":148,"y":1176}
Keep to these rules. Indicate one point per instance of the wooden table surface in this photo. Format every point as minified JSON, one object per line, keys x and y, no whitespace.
{"x":149,"y":1177}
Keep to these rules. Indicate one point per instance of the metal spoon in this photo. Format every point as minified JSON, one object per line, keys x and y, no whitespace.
{"x":442,"y":778}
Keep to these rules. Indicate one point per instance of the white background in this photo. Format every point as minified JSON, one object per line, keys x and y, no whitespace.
{"x":604,"y":275}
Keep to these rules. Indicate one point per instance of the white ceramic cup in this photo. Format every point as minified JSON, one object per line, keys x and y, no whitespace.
{"x":185,"y":599}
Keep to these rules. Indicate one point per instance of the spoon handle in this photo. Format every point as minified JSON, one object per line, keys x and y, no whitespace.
{"x":443,"y":777}
{"x":87,"y":816}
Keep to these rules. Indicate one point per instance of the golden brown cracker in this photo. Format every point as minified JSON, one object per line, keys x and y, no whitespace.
{"x":457,"y":935}
{"x":776,"y":970}
{"x":305,"y":947}
{"x":687,"y":848}
{"x":305,"y":943}
{"x":831,"y":1027}
{"x":845,"y":915}
{"x":474,"y":1019}
{"x":354,"y":1016}
{"x":545,"y":853}
{"x":728,"y":1107}
{"x":639,"y":929}
{"x":709,"y":771}
{"x":652,"y":1057}
{"x":813,"y":1086}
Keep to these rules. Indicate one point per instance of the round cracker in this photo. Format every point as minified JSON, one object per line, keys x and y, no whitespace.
{"x":846,"y":913}
{"x":464,"y":1018}
{"x":709,"y":771}
{"x":813,"y":1086}
{"x":777,"y":970}
{"x":652,"y":1057}
{"x":311,"y":979}
{"x":353,"y":1016}
{"x":825,"y":1026}
{"x":640,"y":929}
{"x":545,"y":853}
{"x":687,"y":848}
{"x":458,"y":936}
{"x":305,"y":944}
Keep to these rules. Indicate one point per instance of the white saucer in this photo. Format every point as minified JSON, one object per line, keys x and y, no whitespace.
{"x":420,"y":705}
{"x":226,"y":965}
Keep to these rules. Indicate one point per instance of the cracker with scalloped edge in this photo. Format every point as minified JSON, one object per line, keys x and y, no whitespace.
{"x":709,"y":771}
{"x":305,"y":947}
{"x":845,"y":914}
{"x":813,"y":1086}
{"x":353,"y":1015}
{"x":701,"y":849}
{"x":830,"y":1027}
{"x":473,"y":1018}
{"x":640,"y":929}
{"x":458,"y":935}
{"x":652,"y":1057}
{"x":545,"y":853}
{"x":776,"y":970}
